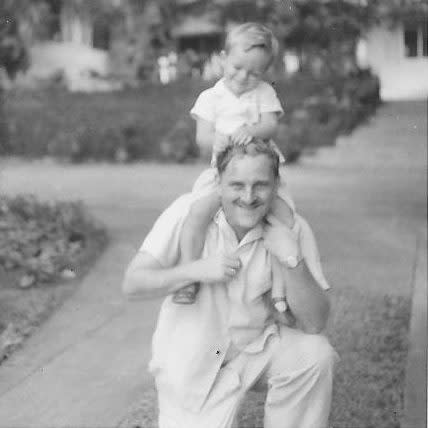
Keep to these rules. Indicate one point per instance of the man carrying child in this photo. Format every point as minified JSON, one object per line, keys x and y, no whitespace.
{"x":207,"y":355}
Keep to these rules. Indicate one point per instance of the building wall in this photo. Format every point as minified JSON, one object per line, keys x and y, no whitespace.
{"x":401,"y":77}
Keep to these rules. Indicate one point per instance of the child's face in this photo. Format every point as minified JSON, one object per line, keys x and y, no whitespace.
{"x":243,"y":70}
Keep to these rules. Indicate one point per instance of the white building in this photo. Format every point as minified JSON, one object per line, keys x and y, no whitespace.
{"x":398,"y":54}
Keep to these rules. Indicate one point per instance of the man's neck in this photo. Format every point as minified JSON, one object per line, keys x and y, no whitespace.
{"x":242,"y":234}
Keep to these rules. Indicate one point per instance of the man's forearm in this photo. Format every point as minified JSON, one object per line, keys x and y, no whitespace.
{"x":307,"y":302}
{"x":150,"y":283}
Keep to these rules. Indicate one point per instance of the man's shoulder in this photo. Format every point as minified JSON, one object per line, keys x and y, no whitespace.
{"x":172,"y":216}
{"x":162,"y":240}
{"x":182,"y":201}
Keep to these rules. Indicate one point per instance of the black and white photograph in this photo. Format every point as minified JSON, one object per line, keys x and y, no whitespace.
{"x":213,"y":213}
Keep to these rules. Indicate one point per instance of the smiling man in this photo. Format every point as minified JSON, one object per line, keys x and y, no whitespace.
{"x":206,"y":356}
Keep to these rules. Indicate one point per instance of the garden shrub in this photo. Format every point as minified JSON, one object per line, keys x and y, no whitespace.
{"x":328,"y":108}
{"x":4,"y":130}
{"x":40,"y":242}
{"x":179,"y":144}
{"x":121,"y":143}
{"x":119,"y":126}
{"x":152,"y":122}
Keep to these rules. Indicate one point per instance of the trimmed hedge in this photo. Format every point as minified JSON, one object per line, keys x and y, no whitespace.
{"x":152,"y":122}
{"x":335,"y":107}
{"x":118,"y":126}
{"x":4,"y":129}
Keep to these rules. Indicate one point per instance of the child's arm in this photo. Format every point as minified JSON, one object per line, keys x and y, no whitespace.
{"x":266,"y":128}
{"x":205,"y":136}
{"x":283,"y":212}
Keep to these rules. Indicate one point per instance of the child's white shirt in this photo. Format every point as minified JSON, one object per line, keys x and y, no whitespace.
{"x":220,"y":106}
{"x":229,"y":112}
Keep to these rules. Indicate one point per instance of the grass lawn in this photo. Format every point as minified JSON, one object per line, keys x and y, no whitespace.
{"x":369,"y":331}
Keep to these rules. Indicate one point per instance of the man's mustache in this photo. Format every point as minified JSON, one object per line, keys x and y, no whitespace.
{"x":253,"y":204}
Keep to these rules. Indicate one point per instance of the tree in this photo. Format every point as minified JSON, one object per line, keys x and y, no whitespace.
{"x":13,"y":54}
{"x":329,"y":32}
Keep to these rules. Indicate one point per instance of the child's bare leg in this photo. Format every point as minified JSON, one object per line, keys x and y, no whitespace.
{"x":192,"y":239}
{"x":278,"y":288}
{"x":283,"y":212}
{"x":278,"y":293}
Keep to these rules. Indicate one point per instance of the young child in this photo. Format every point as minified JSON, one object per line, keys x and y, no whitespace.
{"x":239,"y":107}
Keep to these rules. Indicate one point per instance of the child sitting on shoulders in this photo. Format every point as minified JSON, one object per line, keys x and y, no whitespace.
{"x":241,"y":106}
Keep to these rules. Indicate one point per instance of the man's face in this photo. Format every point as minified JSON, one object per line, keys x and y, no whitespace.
{"x":247,"y":187}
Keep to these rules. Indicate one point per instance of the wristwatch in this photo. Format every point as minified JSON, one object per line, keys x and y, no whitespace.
{"x":293,"y":261}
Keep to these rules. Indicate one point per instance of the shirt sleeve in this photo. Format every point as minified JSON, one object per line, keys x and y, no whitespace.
{"x":269,"y":101}
{"x":310,"y":252}
{"x":163,"y":240}
{"x":204,"y":106}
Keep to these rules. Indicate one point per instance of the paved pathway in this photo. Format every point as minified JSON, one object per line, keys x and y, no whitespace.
{"x":86,"y":366}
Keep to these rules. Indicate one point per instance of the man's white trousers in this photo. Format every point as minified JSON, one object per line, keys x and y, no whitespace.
{"x":298,"y":368}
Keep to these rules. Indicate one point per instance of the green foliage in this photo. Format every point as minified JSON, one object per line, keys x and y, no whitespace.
{"x":323,"y":25}
{"x":327,"y":108}
{"x":179,"y":144}
{"x":153,"y":122}
{"x":13,"y":54}
{"x":4,"y":128}
{"x":120,"y":126}
{"x":13,"y":58}
{"x":39,"y":242}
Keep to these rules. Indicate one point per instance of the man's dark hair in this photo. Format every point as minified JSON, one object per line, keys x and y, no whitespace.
{"x":256,"y":147}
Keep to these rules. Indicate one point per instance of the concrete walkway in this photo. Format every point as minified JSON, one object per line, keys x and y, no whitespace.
{"x":86,"y":366}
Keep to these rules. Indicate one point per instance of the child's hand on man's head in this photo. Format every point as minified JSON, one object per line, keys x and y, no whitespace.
{"x":241,"y":136}
{"x":221,"y":142}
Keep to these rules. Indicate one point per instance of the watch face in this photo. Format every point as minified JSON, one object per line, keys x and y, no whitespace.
{"x":292,"y":261}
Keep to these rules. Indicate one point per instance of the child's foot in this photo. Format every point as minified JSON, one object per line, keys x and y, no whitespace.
{"x":186,"y":295}
{"x":282,"y":211}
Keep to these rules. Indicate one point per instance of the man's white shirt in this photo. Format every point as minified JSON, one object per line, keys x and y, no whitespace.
{"x":191,"y":341}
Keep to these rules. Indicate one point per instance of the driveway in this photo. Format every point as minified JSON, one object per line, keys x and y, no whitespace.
{"x":86,"y":366}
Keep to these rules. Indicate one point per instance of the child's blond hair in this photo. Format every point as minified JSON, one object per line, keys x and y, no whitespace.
{"x":252,"y":35}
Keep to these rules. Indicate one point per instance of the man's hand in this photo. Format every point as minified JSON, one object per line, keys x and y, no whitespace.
{"x":280,"y":240}
{"x":218,"y":268}
{"x":241,"y":136}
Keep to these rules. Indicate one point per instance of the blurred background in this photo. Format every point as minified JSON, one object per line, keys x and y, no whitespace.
{"x":336,"y":59}
{"x":96,"y":140}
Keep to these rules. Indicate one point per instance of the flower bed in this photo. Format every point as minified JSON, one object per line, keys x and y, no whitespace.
{"x":42,"y":245}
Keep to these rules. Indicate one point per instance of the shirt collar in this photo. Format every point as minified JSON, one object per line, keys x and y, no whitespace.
{"x":222,"y":89}
{"x":220,"y":86}
{"x":251,"y":236}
